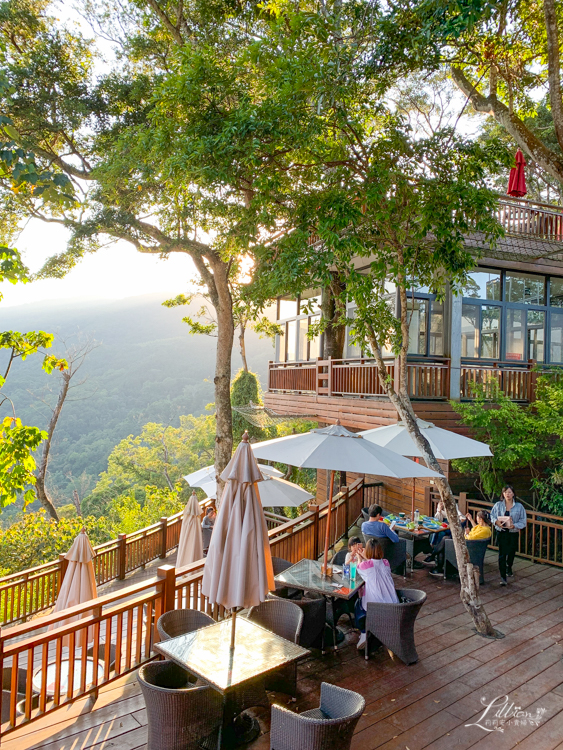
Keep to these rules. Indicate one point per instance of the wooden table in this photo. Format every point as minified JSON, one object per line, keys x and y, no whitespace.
{"x":418,"y":540}
{"x":306,"y":575}
{"x":207,"y":654}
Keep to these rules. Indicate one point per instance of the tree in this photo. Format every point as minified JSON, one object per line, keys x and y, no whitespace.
{"x":74,"y":359}
{"x":245,"y":389}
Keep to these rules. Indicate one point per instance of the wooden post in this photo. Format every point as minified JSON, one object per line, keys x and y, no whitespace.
{"x":428,"y":501}
{"x":462,"y":502}
{"x":314,"y":508}
{"x":163,"y":535}
{"x":121,"y":555}
{"x":63,"y":563}
{"x":168,"y":574}
{"x":329,"y":376}
{"x":344,"y":491}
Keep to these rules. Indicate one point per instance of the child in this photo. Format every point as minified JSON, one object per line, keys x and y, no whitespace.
{"x":379,"y":586}
{"x":355,"y":550}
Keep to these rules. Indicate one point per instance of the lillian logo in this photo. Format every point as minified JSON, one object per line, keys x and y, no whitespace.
{"x":501,"y":712}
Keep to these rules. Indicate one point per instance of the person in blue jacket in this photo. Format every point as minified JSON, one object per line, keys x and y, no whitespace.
{"x":508,"y":517}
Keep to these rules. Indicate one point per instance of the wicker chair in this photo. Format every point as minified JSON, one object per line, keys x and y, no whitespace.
{"x":394,"y":552}
{"x":279,"y":565}
{"x":314,"y":621}
{"x":7,"y":690}
{"x":105,"y":653}
{"x":181,"y":621}
{"x":285,"y":619}
{"x":179,"y":715}
{"x":477,"y":549}
{"x":331,"y":725}
{"x":340,"y":557}
{"x":393,"y":624}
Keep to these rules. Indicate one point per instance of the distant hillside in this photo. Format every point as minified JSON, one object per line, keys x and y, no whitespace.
{"x":148,"y":368}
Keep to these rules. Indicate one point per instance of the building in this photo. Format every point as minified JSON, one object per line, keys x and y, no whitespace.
{"x":506,"y":326}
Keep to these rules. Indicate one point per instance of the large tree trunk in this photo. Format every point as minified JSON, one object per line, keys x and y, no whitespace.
{"x":242,"y":345}
{"x":40,"y":486}
{"x":332,"y":310}
{"x":468,"y":573}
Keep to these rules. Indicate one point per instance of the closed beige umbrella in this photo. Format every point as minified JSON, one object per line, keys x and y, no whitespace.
{"x":79,"y":583}
{"x":190,"y":546}
{"x":238,"y":568}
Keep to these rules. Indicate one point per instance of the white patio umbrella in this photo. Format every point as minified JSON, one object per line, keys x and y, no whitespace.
{"x":203,"y":477}
{"x":190,"y":544}
{"x":273,"y":492}
{"x":238,"y":569}
{"x":79,"y":582}
{"x":445,"y":444}
{"x":337,"y":449}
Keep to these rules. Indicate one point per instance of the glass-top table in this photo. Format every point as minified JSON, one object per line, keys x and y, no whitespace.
{"x":206,"y":653}
{"x":307,"y":576}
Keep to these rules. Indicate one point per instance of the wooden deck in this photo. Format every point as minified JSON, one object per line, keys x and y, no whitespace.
{"x":427,"y":705}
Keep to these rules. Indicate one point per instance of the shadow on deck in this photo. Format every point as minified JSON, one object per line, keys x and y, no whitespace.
{"x":428,"y":705}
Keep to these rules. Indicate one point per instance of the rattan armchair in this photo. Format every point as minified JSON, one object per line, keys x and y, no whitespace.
{"x":179,"y":715}
{"x":393,"y":624}
{"x":394,"y":552}
{"x":331,"y":725}
{"x":477,"y":549}
{"x":284,"y":618}
{"x":279,"y":565}
{"x":181,"y":621}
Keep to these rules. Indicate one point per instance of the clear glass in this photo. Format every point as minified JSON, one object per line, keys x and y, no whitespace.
{"x":536,"y":335}
{"x":556,"y":292}
{"x":287,"y":308}
{"x":556,"y":344}
{"x":315,"y":344}
{"x":303,"y":340}
{"x":490,"y":332}
{"x":470,"y":331}
{"x":281,"y":345}
{"x":418,"y":316}
{"x":437,"y":329}
{"x":515,"y":334}
{"x":525,"y":288}
{"x":291,"y":340}
{"x":483,"y":284}
{"x":311,"y":304}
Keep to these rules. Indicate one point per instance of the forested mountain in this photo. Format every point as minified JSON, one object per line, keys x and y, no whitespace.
{"x":147,"y":367}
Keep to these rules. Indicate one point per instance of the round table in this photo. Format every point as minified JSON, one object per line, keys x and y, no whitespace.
{"x":64,"y":674}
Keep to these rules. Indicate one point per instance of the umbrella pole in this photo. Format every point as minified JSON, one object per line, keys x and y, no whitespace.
{"x":413,"y":498}
{"x":327,"y":534}
{"x":233,"y":628}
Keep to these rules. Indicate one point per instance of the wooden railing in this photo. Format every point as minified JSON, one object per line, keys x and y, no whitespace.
{"x":115,"y":633}
{"x":520,"y":216}
{"x":427,"y":379}
{"x":518,"y":382}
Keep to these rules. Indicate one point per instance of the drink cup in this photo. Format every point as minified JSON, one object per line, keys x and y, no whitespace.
{"x":353,"y":567}
{"x":346,"y":570}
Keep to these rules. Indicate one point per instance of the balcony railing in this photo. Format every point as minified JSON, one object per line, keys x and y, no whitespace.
{"x":427,"y":379}
{"x":519,"y":216}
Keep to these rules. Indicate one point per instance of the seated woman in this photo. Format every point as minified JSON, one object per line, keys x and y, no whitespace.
{"x":355,"y":550}
{"x":480,"y":529}
{"x":379,"y":586}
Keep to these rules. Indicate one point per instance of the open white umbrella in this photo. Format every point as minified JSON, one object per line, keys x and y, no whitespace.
{"x":337,"y":449}
{"x":238,"y":569}
{"x":79,"y":583}
{"x":274,"y":492}
{"x":190,"y":544}
{"x":445,"y":444}
{"x":203,"y":477}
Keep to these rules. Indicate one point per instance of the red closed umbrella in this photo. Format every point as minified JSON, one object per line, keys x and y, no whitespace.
{"x":517,"y":179}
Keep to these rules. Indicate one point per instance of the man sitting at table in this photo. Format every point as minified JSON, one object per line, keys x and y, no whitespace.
{"x":376,"y":527}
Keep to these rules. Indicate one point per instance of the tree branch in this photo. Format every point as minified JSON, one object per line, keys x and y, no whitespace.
{"x":545,"y":157}
{"x":554,"y":68}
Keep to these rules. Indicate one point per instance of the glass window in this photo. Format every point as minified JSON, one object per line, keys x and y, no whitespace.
{"x":525,"y":288}
{"x":418,"y":314}
{"x":315,"y":344}
{"x":556,"y":292}
{"x":436,"y":329}
{"x":490,"y":332}
{"x":291,"y":340}
{"x":483,"y":284}
{"x":556,"y":345}
{"x":303,"y":340}
{"x":470,"y":331}
{"x":311,"y":304}
{"x":287,"y":308}
{"x":515,"y":321}
{"x":536,"y":334}
{"x":352,"y":350}
{"x":281,"y":345}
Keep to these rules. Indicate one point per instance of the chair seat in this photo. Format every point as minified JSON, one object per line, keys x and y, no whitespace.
{"x":315,"y":713}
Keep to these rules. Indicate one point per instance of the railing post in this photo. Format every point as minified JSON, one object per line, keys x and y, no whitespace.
{"x":314,"y":508}
{"x":121,"y":555}
{"x":462,"y":502}
{"x":168,"y":574}
{"x":63,"y":563}
{"x":329,"y":380}
{"x":270,"y":363}
{"x":344,"y":491}
{"x":163,"y":535}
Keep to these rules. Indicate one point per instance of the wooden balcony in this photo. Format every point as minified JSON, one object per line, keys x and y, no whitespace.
{"x":519,"y":216}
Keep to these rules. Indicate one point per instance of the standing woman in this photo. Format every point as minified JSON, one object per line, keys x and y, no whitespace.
{"x":508,"y":517}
